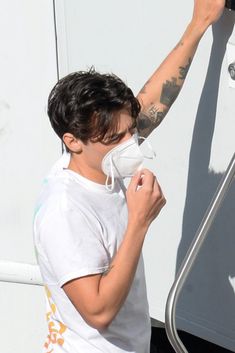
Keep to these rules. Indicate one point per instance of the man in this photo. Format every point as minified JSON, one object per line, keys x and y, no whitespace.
{"x":89,"y":232}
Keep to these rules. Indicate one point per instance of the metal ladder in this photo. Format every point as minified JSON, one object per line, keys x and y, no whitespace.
{"x":191,"y":255}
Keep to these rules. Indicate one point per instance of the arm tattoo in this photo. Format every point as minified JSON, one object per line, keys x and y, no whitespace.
{"x":184,"y":70}
{"x":148,"y":121}
{"x":105,"y":273}
{"x":179,"y":44}
{"x":170,"y":91}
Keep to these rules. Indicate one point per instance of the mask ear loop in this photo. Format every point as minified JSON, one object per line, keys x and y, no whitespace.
{"x":149,"y":146}
{"x":121,"y":184}
{"x":108,"y":186}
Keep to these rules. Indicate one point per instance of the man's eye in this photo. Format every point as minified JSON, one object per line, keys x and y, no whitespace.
{"x":114,"y":138}
{"x":111,"y":139}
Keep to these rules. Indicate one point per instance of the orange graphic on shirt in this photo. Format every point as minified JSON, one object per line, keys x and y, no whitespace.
{"x":56,"y":329}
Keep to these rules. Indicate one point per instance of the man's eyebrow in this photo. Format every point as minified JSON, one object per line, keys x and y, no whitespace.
{"x":129,"y":128}
{"x":117,"y":135}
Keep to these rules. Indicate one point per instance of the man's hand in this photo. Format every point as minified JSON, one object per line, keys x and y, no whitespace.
{"x":144,"y":199}
{"x":207,"y":12}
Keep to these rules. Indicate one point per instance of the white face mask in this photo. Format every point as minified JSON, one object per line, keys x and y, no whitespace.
{"x":124,"y":160}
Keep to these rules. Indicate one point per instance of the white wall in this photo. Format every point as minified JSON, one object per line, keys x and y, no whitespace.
{"x":131,"y":38}
{"x":27,"y":149}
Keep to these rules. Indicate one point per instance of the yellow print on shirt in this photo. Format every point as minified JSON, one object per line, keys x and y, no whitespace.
{"x":56,"y":329}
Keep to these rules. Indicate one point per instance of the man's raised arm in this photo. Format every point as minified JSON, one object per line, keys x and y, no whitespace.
{"x":163,"y":87}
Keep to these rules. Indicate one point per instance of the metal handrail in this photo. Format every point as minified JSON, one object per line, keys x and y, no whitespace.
{"x":191,"y":255}
{"x":18,"y":272}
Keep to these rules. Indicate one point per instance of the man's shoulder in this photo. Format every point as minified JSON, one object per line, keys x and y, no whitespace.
{"x":56,"y":193}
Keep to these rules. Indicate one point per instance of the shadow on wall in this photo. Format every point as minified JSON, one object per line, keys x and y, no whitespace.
{"x":208,"y":296}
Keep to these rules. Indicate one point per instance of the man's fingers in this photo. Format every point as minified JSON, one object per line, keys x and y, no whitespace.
{"x":158,"y":189}
{"x":135,"y":181}
{"x":147,"y":179}
{"x":157,"y":186}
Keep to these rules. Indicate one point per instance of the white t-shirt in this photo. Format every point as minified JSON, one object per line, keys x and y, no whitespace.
{"x":78,"y":228}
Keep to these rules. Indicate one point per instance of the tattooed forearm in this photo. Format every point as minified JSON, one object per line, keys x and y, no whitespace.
{"x":149,"y":120}
{"x":184,"y":70}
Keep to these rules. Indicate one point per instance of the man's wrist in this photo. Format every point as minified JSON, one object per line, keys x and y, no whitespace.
{"x":196,"y":30}
{"x":136,"y":227}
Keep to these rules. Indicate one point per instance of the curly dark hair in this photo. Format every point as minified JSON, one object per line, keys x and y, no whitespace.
{"x":82,"y":103}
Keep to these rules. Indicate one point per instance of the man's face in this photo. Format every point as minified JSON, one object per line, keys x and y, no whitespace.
{"x":88,"y":162}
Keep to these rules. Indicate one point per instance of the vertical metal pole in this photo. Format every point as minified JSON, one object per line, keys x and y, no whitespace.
{"x":191,"y":256}
{"x":56,"y":41}
{"x":57,"y":55}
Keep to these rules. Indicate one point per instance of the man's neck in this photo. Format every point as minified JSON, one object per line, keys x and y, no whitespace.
{"x":77,"y":165}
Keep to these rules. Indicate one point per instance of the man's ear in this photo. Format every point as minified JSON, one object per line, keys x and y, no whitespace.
{"x":72,"y":143}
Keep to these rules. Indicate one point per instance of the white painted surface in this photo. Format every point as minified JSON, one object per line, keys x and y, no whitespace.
{"x":27,"y":148}
{"x":194,"y":145}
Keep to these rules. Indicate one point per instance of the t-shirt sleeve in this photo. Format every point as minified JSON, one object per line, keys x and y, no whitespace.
{"x":73,"y":245}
